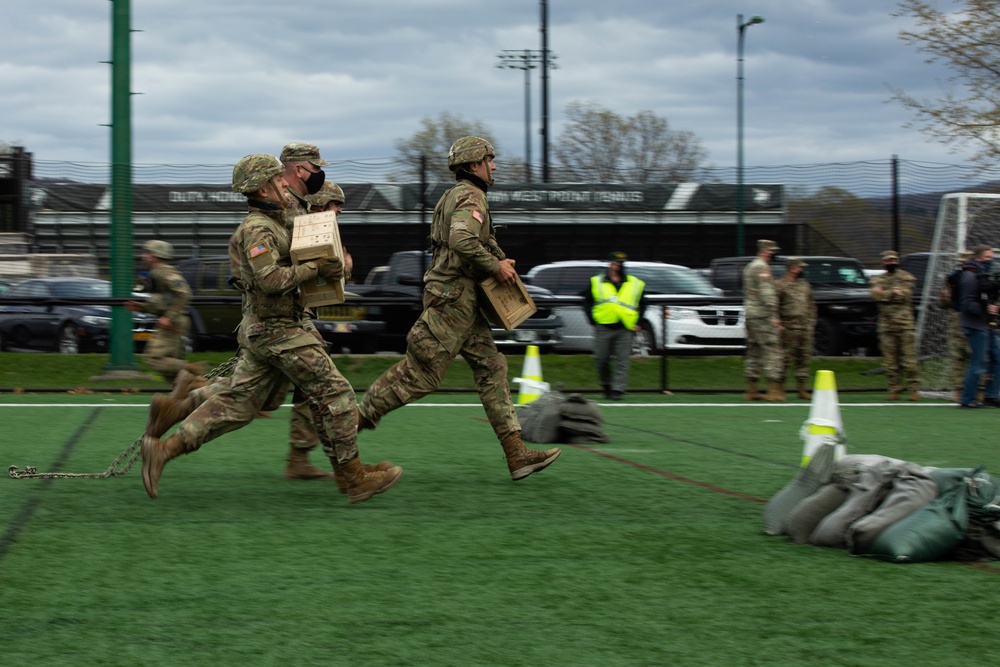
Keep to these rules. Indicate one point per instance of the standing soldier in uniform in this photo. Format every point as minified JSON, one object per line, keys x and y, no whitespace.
{"x":893,"y":292}
{"x":276,"y":345}
{"x":763,"y":322}
{"x":465,"y":252}
{"x":798,"y":320}
{"x":169,"y":298}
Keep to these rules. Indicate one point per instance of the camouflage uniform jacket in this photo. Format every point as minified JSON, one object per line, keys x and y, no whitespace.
{"x":170,"y":293}
{"x":760,"y":298}
{"x":893,"y":292}
{"x":262,"y":266}
{"x":796,"y":305}
{"x":463,"y":237}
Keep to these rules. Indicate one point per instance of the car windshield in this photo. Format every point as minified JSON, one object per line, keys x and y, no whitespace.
{"x":835,"y":273}
{"x":81,"y":289}
{"x":672,"y":280}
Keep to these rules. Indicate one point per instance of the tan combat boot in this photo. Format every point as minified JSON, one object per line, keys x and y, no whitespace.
{"x":775,"y":391}
{"x":893,"y":395}
{"x":155,"y":454}
{"x":804,"y":393}
{"x":185,"y":383}
{"x":362,"y":484}
{"x":299,"y":467}
{"x":522,"y":461}
{"x":752,"y":394}
{"x":914,"y":395}
{"x":338,"y":475}
{"x":164,"y":412}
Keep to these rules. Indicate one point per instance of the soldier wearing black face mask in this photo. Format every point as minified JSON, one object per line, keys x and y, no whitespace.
{"x":303,"y":173}
{"x":893,"y":292}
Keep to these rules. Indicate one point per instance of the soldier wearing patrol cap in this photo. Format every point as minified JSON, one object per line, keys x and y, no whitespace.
{"x":763,"y":322}
{"x":893,"y":293}
{"x":169,"y":298}
{"x":303,"y":173}
{"x":465,"y":252}
{"x":275,"y":343}
{"x":798,"y":320}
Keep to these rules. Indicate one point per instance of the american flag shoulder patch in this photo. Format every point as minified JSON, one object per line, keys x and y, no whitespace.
{"x":258,"y":250}
{"x":477,"y":215}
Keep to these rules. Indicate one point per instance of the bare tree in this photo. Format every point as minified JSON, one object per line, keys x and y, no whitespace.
{"x":433,"y":140}
{"x":967,"y":42}
{"x":598,"y":145}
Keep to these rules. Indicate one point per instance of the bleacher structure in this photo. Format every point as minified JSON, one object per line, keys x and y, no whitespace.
{"x":964,"y":221}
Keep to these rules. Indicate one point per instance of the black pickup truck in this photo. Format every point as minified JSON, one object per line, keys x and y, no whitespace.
{"x":394,"y":294}
{"x":374,"y":318}
{"x":847,"y":317}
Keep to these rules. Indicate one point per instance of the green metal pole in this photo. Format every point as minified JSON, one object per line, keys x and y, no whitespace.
{"x":122,"y":256}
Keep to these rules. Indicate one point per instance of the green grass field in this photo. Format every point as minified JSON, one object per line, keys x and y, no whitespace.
{"x":646,"y":551}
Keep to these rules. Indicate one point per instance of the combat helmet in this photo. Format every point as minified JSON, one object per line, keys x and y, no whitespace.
{"x":253,"y":171}
{"x":328,"y":193}
{"x":468,"y":150}
{"x":159,"y":249}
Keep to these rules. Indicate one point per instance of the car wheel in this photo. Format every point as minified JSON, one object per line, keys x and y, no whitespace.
{"x":826,"y":340}
{"x":643,"y":343}
{"x":68,"y":341}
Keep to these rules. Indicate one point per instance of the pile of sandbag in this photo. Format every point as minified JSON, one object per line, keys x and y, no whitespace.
{"x":555,"y":417}
{"x":890,"y":509}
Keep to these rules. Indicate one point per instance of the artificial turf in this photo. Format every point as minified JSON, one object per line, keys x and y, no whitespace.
{"x":647,"y":550}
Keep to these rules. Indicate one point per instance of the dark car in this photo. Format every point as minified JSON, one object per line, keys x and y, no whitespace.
{"x":67,"y":329}
{"x":847,"y":316}
{"x":216,"y":311}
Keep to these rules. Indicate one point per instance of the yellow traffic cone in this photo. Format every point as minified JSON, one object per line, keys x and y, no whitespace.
{"x":531,"y":385}
{"x":824,"y":424}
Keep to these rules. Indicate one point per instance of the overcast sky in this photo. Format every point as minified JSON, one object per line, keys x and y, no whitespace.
{"x":218,"y":79}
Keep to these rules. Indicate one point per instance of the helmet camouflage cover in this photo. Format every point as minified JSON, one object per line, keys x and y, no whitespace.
{"x":328,"y":193}
{"x":469,"y":150}
{"x":253,"y":171}
{"x":158,"y":248}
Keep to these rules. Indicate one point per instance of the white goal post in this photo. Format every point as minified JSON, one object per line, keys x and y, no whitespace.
{"x":964,"y":220}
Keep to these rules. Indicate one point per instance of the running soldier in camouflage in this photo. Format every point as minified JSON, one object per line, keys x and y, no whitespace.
{"x":169,"y":298}
{"x":760,"y":303}
{"x":275,"y":344}
{"x":798,"y":320}
{"x":893,"y":292}
{"x":465,"y":252}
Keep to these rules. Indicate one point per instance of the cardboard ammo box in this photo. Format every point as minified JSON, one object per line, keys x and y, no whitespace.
{"x":506,"y":305}
{"x":315,"y":236}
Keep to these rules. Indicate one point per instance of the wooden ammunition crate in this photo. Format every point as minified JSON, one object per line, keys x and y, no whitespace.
{"x":316,"y":236}
{"x":506,"y":305}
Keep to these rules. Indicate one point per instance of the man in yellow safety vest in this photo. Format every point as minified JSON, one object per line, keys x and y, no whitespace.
{"x":614,"y":305}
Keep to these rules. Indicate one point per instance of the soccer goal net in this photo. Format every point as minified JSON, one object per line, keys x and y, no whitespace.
{"x":964,"y":220}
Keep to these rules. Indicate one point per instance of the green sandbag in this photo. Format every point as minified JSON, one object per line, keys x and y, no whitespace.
{"x":806,"y":482}
{"x":807,"y":514}
{"x":929,"y":534}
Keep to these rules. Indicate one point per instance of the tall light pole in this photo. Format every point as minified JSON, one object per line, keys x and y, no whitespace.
{"x":740,"y":29}
{"x":527,"y":60}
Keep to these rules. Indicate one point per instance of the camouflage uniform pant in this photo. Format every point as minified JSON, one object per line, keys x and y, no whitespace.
{"x":266,"y":365}
{"x":451,"y":324}
{"x":763,"y":356}
{"x":302,"y":432}
{"x":899,"y":358}
{"x":797,"y":347}
{"x":164,"y":352}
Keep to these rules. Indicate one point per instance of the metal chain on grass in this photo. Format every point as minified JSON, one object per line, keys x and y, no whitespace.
{"x":118,"y":468}
{"x":225,"y":368}
{"x":125,"y":460}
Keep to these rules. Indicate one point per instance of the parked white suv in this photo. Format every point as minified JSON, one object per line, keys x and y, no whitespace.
{"x":690,"y":328}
